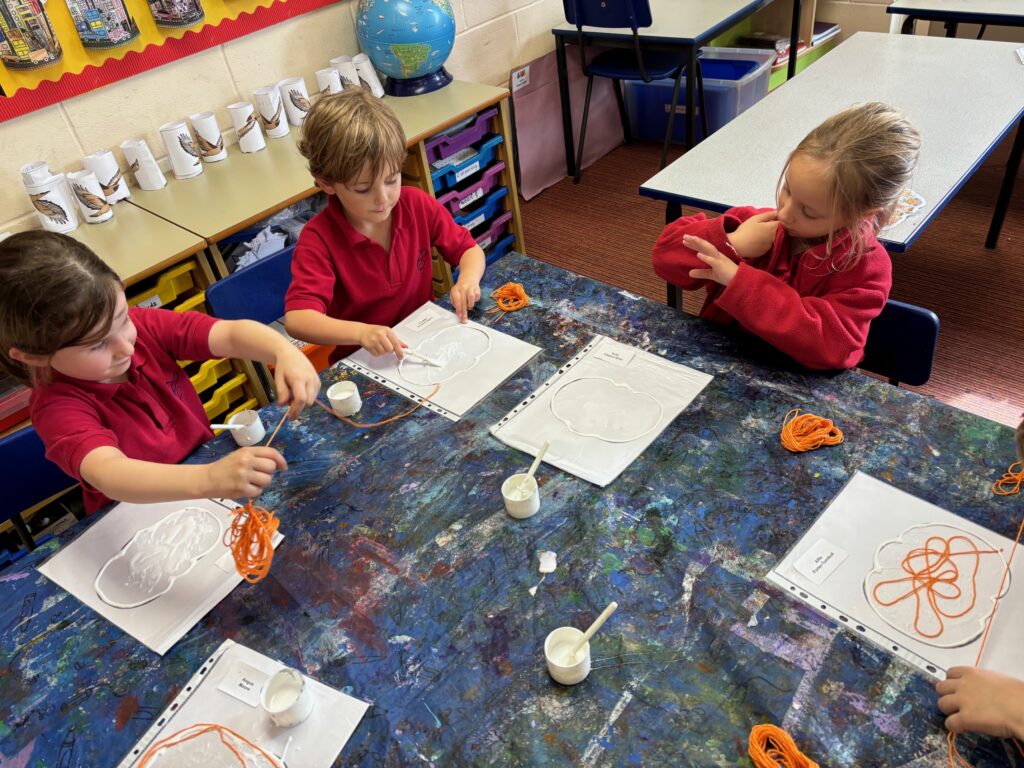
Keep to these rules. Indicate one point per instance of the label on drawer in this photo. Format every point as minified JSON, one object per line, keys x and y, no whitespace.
{"x":151,"y":303}
{"x":476,"y":221}
{"x":472,"y":198}
{"x":485,"y":242}
{"x":468,"y":171}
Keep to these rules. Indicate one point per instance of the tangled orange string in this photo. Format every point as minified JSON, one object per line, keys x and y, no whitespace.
{"x":509,"y":298}
{"x":194,"y":731}
{"x":1011,"y":482}
{"x":771,"y":747}
{"x":932,"y":578}
{"x":805,"y":432}
{"x":360,"y":425}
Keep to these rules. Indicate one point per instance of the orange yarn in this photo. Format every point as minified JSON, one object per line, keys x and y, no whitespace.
{"x":385,"y":421}
{"x":805,"y":432}
{"x":1011,"y":482}
{"x":932,"y":575}
{"x":510,"y":297}
{"x":771,"y":747}
{"x":194,"y":731}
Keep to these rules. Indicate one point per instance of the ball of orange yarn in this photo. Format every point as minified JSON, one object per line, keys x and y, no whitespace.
{"x":805,"y":432}
{"x":251,"y":540}
{"x":771,"y":747}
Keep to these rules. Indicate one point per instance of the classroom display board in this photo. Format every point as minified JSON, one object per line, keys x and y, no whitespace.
{"x":472,"y":360}
{"x":226,"y":691}
{"x":914,"y":579}
{"x":153,"y":570}
{"x":602,"y":409}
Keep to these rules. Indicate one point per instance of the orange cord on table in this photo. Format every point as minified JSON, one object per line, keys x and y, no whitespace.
{"x":805,"y":432}
{"x":510,"y":297}
{"x":360,"y":425}
{"x":199,"y":729}
{"x":1011,"y":482}
{"x":771,"y":747}
{"x":932,"y":576}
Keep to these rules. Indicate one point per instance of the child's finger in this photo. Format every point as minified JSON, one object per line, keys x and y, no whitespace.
{"x":459,"y":303}
{"x":702,"y":274}
{"x":284,"y":394}
{"x":701,"y":246}
{"x":274,"y":455}
{"x":772,"y":215}
{"x":396,"y":344}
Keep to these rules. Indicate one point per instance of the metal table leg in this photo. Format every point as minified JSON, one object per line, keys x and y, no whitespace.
{"x":1006,"y":190}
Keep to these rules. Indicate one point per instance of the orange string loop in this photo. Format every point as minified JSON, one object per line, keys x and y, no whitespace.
{"x":1011,"y":482}
{"x":251,"y":540}
{"x":199,"y":729}
{"x":510,"y":297}
{"x":360,"y":425}
{"x":805,"y":432}
{"x":771,"y":747}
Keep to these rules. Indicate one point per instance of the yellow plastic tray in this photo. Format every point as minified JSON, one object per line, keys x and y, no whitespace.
{"x":169,"y":286}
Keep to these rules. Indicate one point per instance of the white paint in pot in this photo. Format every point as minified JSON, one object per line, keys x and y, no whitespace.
{"x":254,"y":429}
{"x":564,"y":666}
{"x":522,"y":495}
{"x":344,"y":397}
{"x":287,"y":698}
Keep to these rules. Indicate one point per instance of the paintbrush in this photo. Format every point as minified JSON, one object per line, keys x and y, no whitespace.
{"x":421,"y":357}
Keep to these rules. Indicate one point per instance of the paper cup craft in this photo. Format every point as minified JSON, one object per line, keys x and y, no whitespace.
{"x":295,"y":98}
{"x":209,"y":139}
{"x":522,"y":496}
{"x":367,"y":74}
{"x":565,"y":666}
{"x":344,"y":398}
{"x":328,"y":81}
{"x":35,"y":172}
{"x":253,"y":431}
{"x":104,"y":165}
{"x":142,"y":164}
{"x":247,"y":126}
{"x":346,"y":71}
{"x":271,"y":109}
{"x":91,"y":202}
{"x":181,"y":149}
{"x":287,"y":698}
{"x":54,"y":204}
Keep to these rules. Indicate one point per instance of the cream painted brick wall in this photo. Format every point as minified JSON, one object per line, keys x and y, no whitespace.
{"x":493,"y":36}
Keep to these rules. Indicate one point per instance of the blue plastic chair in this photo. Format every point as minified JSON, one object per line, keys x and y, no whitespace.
{"x":255,"y":292}
{"x":626,"y":64}
{"x":901,"y":344}
{"x":28,"y":478}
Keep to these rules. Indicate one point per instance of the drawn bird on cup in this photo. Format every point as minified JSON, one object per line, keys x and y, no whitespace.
{"x":49,"y":208}
{"x":250,"y":123}
{"x":134,"y":167}
{"x":111,"y":186}
{"x":270,"y":123}
{"x":185,"y":140}
{"x":206,"y":148}
{"x":94,"y":203}
{"x":325,"y":90}
{"x":300,"y":101}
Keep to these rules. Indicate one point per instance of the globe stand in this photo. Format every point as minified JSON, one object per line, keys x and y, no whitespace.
{"x":414,"y":86}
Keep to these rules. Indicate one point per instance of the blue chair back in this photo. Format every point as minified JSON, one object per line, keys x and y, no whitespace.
{"x":27,"y":475}
{"x":901,"y":343}
{"x":255,"y":292}
{"x":613,"y":14}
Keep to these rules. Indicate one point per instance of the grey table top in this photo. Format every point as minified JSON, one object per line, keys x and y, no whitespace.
{"x":963,"y":112}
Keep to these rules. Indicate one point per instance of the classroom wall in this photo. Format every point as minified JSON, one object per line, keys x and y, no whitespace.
{"x":492,"y":37}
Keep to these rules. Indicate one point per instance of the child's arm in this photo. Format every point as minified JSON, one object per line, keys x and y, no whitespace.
{"x":466,"y":291}
{"x":982,"y":701}
{"x":295,"y":379}
{"x":317,"y":328}
{"x":241,"y":474}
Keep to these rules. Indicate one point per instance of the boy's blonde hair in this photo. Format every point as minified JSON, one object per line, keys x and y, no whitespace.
{"x":870,"y":151}
{"x":344,"y":131}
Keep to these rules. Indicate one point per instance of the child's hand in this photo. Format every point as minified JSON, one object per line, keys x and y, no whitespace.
{"x":982,"y":701}
{"x":755,"y":236}
{"x":721,"y":269}
{"x":295,"y":380}
{"x":465,"y":294}
{"x":380,"y":340}
{"x":244,"y":473}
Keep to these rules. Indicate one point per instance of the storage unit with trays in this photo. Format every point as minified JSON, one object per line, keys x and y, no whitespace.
{"x":225,"y":386}
{"x":470,"y":169}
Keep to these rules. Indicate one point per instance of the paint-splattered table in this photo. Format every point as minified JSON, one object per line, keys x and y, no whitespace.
{"x":402,"y":581}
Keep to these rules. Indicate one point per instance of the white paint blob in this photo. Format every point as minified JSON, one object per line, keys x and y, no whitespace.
{"x":456,"y":349}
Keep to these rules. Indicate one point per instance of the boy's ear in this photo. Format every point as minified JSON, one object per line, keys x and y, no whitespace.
{"x":325,"y":187}
{"x":29,"y":359}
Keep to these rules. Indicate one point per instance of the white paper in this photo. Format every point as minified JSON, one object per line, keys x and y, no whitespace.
{"x":475,"y":361}
{"x":161,"y":622}
{"x":244,"y":682}
{"x":869,"y":517}
{"x":315,"y":743}
{"x":820,"y":561}
{"x":602,"y":409}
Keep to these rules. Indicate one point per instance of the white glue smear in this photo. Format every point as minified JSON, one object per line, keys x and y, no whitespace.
{"x":548,"y":564}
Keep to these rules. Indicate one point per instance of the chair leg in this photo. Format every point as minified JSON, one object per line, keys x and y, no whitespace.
{"x":671,"y":119}
{"x":627,"y":134}
{"x":700,"y":102}
{"x":583,"y":131}
{"x":23,"y":532}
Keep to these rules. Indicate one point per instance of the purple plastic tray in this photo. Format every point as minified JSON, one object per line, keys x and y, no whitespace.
{"x":458,"y":200}
{"x":442,"y":146}
{"x":494,"y":231}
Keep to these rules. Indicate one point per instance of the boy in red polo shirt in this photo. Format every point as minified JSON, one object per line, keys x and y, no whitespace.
{"x":109,"y":400}
{"x":364,"y":263}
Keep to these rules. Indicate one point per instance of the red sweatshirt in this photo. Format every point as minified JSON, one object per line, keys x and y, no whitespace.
{"x":805,"y":305}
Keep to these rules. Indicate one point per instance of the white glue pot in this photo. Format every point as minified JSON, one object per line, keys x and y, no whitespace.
{"x":254,"y":429}
{"x":344,"y":397}
{"x":522,"y":495}
{"x":287,"y":698}
{"x":565,"y":667}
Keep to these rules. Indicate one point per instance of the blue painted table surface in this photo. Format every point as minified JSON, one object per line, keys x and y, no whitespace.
{"x":402,"y":581}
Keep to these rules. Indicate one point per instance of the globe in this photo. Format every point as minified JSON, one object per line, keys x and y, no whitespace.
{"x":409,"y":41}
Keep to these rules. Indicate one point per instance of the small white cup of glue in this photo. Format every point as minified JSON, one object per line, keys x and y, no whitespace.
{"x":287,"y":698}
{"x":344,"y":397}
{"x":522,"y":495}
{"x":253,"y":430}
{"x":566,"y":665}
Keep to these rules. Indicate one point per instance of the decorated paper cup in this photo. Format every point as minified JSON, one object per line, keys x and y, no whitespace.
{"x":563,"y":666}
{"x":287,"y":698}
{"x":344,"y":397}
{"x":522,"y":495}
{"x":253,"y":432}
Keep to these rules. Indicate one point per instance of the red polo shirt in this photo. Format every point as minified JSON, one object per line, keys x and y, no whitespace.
{"x":155,"y":415}
{"x":346,"y":275}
